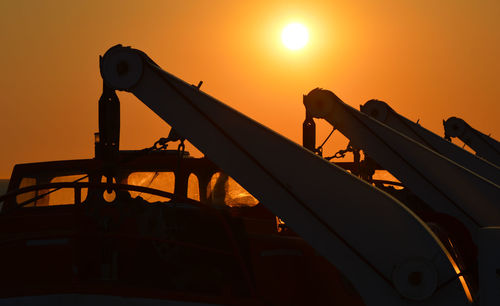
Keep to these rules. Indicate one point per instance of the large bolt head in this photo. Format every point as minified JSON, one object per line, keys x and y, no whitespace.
{"x":415,"y":279}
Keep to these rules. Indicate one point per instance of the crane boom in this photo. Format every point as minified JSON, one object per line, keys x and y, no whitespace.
{"x":376,"y":242}
{"x":382,"y":112}
{"x":443,"y":184}
{"x":484,"y":145}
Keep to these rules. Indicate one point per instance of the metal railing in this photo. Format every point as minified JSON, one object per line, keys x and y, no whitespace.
{"x":78,"y":186}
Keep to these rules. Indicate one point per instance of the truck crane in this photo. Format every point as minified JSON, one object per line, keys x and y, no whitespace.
{"x":405,"y":151}
{"x":484,"y":145}
{"x":382,"y":112}
{"x":390,"y":255}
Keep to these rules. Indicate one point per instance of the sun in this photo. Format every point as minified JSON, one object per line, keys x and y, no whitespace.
{"x":295,"y":36}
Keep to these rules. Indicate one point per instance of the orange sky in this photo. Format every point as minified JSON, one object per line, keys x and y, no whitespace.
{"x":428,"y":59}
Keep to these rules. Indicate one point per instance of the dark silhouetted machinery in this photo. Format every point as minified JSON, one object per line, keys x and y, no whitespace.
{"x":259,"y":220}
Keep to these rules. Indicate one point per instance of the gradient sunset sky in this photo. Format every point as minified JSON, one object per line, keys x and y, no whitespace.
{"x":428,"y":59}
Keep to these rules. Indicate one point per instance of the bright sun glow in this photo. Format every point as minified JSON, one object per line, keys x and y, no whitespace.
{"x":295,"y":36}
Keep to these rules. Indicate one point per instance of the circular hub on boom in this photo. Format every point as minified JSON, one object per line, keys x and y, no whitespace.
{"x":121,"y":67}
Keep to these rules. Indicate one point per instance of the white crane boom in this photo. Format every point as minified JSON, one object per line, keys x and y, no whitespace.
{"x":389,"y":254}
{"x":484,"y":145}
{"x":443,"y":184}
{"x":382,"y":112}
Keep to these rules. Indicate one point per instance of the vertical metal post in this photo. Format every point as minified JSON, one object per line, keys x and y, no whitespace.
{"x":489,"y":266}
{"x":309,"y":133}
